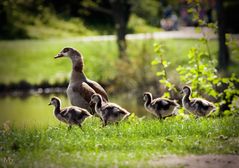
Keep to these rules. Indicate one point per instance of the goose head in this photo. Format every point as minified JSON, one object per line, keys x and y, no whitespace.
{"x":186,"y":90}
{"x":147,"y":96}
{"x":72,"y":53}
{"x":95,"y":98}
{"x":55,"y":101}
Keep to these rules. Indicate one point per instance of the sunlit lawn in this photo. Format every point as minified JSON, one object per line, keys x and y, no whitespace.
{"x":132,"y":143}
{"x":32,"y":60}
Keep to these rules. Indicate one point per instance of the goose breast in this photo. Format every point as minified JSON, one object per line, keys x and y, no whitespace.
{"x":76,"y":98}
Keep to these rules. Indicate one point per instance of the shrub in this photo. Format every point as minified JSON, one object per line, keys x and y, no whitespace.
{"x":200,"y":72}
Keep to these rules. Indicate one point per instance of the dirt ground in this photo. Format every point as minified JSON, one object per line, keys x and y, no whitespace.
{"x":197,"y":161}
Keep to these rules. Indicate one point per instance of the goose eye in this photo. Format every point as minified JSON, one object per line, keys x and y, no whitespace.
{"x":65,"y":50}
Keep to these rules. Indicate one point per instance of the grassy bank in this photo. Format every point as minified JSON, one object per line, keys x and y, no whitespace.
{"x":32,"y":60}
{"x":132,"y":143}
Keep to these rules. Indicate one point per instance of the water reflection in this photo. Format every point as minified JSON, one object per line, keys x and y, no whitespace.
{"x":33,"y":110}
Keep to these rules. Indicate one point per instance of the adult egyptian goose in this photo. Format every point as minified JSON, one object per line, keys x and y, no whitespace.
{"x":80,"y":88}
{"x":160,"y":107}
{"x":72,"y":115}
{"x":108,"y":112}
{"x":197,"y":106}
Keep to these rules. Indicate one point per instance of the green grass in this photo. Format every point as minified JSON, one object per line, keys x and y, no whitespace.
{"x":132,"y":143}
{"x":32,"y":60}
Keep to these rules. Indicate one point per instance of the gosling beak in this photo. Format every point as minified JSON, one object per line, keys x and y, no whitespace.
{"x":59,"y":55}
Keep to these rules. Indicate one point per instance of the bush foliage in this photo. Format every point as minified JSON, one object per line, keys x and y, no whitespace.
{"x":200,"y":72}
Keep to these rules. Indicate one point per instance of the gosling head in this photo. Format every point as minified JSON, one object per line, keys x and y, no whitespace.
{"x":95,"y":98}
{"x":147,"y":96}
{"x":69,"y":52}
{"x":186,"y":90}
{"x":55,"y":101}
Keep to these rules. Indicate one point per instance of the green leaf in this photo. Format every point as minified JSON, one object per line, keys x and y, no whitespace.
{"x":225,"y":80}
{"x":161,"y":73}
{"x":213,"y":93}
{"x":201,"y":22}
{"x":163,"y":81}
{"x":165,"y":63}
{"x":166,"y":95}
{"x":154,"y":62}
{"x":190,"y":10}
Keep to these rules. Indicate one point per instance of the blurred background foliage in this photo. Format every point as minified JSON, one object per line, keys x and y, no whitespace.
{"x":59,"y":18}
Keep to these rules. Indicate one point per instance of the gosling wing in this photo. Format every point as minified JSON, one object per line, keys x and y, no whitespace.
{"x":200,"y":103}
{"x":160,"y":104}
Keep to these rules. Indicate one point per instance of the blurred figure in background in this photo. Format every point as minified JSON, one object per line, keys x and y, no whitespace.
{"x":170,"y":19}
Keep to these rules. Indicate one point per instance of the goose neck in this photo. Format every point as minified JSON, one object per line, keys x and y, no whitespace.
{"x":57,"y":109}
{"x":186,"y":97}
{"x":78,"y":64}
{"x":98,"y":105}
{"x":77,"y":70}
{"x":148,"y":101}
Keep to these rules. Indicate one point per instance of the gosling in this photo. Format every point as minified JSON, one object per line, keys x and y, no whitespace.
{"x":71,"y":115}
{"x":197,"y":106}
{"x":160,"y":107}
{"x":108,"y":112}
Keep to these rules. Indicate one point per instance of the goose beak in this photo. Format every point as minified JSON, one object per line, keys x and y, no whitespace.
{"x":181,"y":92}
{"x":59,"y":55}
{"x":49,"y":104}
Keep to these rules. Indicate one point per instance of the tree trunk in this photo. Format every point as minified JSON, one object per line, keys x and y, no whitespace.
{"x":223,"y":55}
{"x":121,"y":13}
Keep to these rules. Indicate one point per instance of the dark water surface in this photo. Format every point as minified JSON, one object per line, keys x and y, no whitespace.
{"x":34,"y":110}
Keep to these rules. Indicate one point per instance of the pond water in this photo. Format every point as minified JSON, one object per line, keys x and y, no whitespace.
{"x":33,"y":110}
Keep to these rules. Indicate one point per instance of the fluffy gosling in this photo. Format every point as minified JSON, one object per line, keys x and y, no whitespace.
{"x":71,"y":115}
{"x":108,"y":112}
{"x":197,"y":106}
{"x":160,"y":107}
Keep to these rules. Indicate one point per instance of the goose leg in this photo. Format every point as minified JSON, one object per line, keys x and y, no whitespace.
{"x":80,"y":127}
{"x":69,"y":127}
{"x":104,"y":123}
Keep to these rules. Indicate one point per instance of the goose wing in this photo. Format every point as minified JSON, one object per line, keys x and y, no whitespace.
{"x":64,"y":111}
{"x":78,"y":110}
{"x":160,"y":104}
{"x":201,"y":104}
{"x":85,"y":90}
{"x":75,"y":114}
{"x":114,"y":109}
{"x":97,"y":88}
